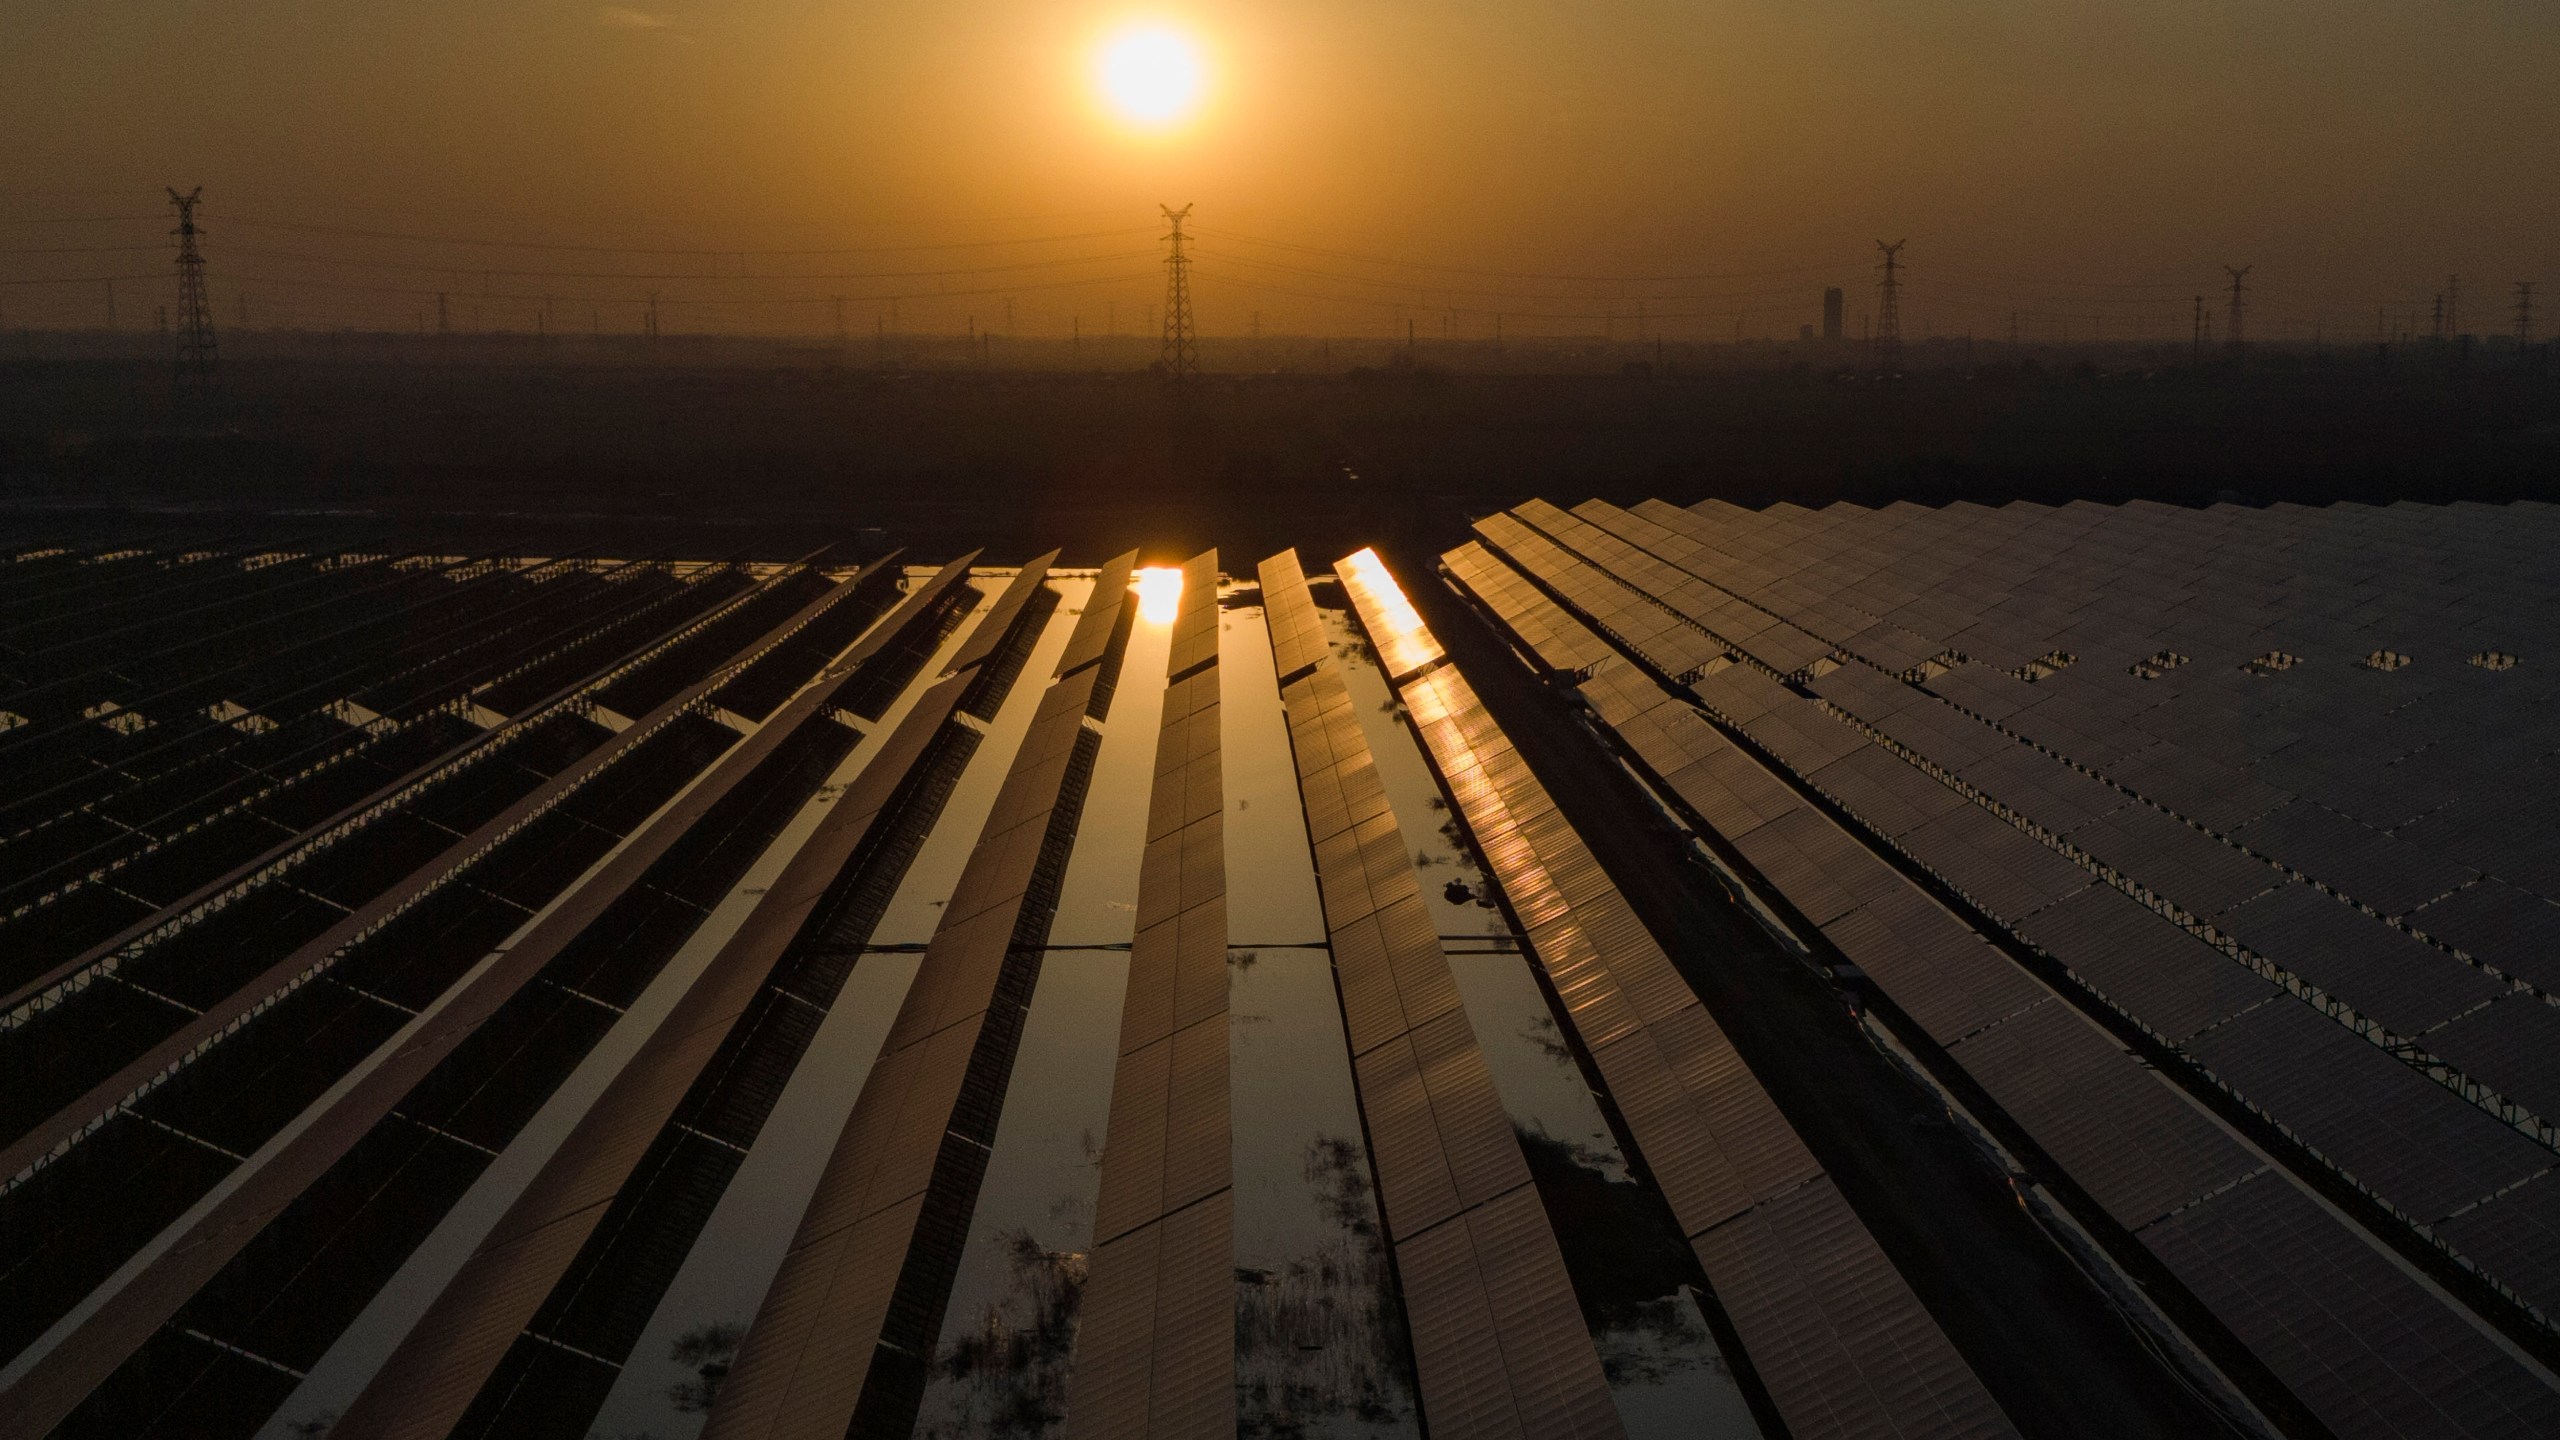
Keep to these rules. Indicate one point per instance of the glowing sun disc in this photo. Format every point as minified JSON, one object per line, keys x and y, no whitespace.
{"x":1151,"y":76}
{"x":1159,"y":594}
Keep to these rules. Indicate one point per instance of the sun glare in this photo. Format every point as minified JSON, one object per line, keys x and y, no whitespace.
{"x":1152,"y":76}
{"x":1159,"y":595}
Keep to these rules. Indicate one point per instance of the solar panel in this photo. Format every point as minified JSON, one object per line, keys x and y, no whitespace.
{"x":2511,"y":1045}
{"x":1930,"y":965}
{"x":2397,"y":979}
{"x":1803,"y":1280}
{"x":2419,"y":1146}
{"x":2515,"y":930}
{"x":2113,"y":1126}
{"x":2143,"y":963}
{"x":2365,"y":1346}
{"x":2007,"y":872}
{"x":2515,"y":1237}
{"x":1885,"y":792}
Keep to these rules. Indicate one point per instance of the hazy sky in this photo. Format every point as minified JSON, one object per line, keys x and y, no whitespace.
{"x":2067,"y":157}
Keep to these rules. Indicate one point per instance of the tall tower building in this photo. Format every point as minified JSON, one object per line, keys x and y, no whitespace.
{"x":1832,"y":302}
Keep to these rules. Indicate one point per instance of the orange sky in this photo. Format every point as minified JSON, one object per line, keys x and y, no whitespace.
{"x":2062,"y":157}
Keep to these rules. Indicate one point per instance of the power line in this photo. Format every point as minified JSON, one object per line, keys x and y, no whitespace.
{"x":72,"y":219}
{"x":416,"y":292}
{"x":77,"y":249}
{"x":1514,"y":312}
{"x":571,"y":247}
{"x":1505,"y":274}
{"x":423,"y":267}
{"x":1425,"y":288}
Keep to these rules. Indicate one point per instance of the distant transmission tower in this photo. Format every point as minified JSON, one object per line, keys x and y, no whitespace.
{"x":1181,"y":359}
{"x":195,"y":314}
{"x":1889,"y":310}
{"x":2236,"y":334}
{"x":2524,"y":312}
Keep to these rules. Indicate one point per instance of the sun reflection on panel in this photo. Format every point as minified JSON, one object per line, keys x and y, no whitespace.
{"x":1404,"y":643}
{"x":1159,"y":594}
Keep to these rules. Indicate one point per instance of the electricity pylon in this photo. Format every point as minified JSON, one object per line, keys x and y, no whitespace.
{"x":1181,"y":358}
{"x":1889,"y":310}
{"x":195,"y":315}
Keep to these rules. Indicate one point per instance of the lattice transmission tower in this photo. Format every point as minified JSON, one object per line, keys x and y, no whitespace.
{"x":2236,"y":333}
{"x":195,"y":313}
{"x":1181,"y":359}
{"x":2524,"y":312}
{"x":1889,"y":309}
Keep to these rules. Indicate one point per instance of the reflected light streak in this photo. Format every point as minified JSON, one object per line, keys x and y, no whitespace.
{"x":1404,"y":643}
{"x":1159,"y":594}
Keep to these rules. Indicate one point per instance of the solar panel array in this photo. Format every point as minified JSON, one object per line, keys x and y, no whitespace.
{"x":2086,"y":725}
{"x":528,"y":1336}
{"x":122,"y":1126}
{"x":404,"y":956}
{"x":1498,"y":1340}
{"x":1839,"y":1339}
{"x":850,"y":1320}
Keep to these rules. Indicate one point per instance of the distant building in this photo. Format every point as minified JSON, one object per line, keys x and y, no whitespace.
{"x":1804,"y":332}
{"x":1831,"y":304}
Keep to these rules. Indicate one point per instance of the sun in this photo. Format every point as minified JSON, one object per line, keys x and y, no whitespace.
{"x":1159,"y":594}
{"x":1151,"y":76}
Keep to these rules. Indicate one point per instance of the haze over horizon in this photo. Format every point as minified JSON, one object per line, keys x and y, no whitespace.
{"x":2093,"y":161}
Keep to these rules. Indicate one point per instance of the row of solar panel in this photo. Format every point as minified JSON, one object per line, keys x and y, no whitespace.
{"x":369,"y":655}
{"x":118,"y":796}
{"x":1498,"y":1339}
{"x":1155,"y":1350}
{"x":2147,"y":1156}
{"x":239,"y":818}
